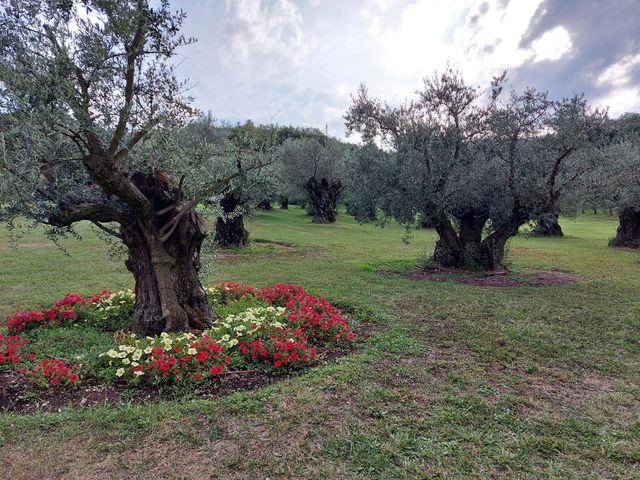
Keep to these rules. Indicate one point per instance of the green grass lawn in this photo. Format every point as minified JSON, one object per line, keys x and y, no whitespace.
{"x":454,"y":381}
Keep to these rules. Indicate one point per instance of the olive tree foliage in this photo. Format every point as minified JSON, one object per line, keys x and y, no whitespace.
{"x":477,"y":164}
{"x":249,"y":190}
{"x":314,"y":168}
{"x":89,"y":103}
{"x":616,"y":183}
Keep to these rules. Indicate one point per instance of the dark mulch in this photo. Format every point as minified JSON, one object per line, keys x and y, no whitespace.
{"x":496,"y":278}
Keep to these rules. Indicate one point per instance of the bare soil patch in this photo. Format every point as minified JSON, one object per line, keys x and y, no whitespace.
{"x":495,"y":278}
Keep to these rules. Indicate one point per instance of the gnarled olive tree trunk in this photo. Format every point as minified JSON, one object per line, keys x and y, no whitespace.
{"x":323,"y":196}
{"x":264,"y":205}
{"x":230,"y":231}
{"x":628,"y":233}
{"x":465,"y":247}
{"x":165,"y":264}
{"x":547,"y":226}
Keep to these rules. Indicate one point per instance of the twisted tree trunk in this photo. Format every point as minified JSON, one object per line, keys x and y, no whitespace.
{"x":628,"y":233}
{"x":284,"y":203}
{"x":169,"y":295}
{"x":230,"y":231}
{"x":164,"y":258}
{"x":264,"y":205}
{"x":466,"y":248}
{"x":323,"y":196}
{"x":547,"y":226}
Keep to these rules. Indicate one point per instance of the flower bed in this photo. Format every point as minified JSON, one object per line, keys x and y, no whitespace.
{"x":277,"y":328}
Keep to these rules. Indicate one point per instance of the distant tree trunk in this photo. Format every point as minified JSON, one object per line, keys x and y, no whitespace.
{"x":547,"y":226}
{"x":466,"y":248}
{"x":323,"y":197}
{"x":628,"y":233}
{"x":284,"y":202}
{"x":264,"y":205}
{"x":169,"y":295}
{"x":230,"y":231}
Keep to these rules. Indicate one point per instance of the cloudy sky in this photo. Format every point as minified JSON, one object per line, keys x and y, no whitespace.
{"x":297,"y":61}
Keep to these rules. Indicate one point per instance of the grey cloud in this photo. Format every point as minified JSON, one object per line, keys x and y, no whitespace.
{"x":602,"y":33}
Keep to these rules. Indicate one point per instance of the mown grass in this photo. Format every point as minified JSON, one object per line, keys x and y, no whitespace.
{"x":455,"y":381}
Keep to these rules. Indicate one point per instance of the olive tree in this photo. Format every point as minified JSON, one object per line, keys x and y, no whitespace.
{"x":247,"y":191}
{"x":619,"y":185}
{"x":477,"y":165}
{"x":314,"y":167}
{"x":85,"y":88}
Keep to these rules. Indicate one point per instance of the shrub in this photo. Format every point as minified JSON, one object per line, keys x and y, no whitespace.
{"x":164,"y":359}
{"x":314,"y":315}
{"x":279,"y":294}
{"x":227,"y":292}
{"x":52,"y":372}
{"x":112,"y":312}
{"x":285,"y":348}
{"x":63,"y":311}
{"x":321,"y":321}
{"x":11,"y":350}
{"x":247,"y":325}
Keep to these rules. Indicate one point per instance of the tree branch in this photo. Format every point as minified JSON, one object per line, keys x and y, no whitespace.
{"x":133,"y":51}
{"x":94,"y":212}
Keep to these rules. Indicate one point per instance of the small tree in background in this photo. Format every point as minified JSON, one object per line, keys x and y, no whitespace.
{"x":85,"y":84}
{"x":315,"y":168}
{"x":477,"y":169}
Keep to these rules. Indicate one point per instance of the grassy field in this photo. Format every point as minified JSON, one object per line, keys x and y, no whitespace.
{"x":454,"y":381}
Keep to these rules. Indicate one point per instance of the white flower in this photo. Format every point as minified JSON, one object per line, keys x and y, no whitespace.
{"x":191,"y":351}
{"x":112,"y":353}
{"x":137,"y":374}
{"x":120,"y":372}
{"x":137,"y":355}
{"x":148,"y":350}
{"x":126,"y":361}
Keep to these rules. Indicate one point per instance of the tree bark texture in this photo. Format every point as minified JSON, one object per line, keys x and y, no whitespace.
{"x":169,"y":295}
{"x":230,"y":231}
{"x":547,"y":226}
{"x":628,"y":233}
{"x":465,"y":247}
{"x":323,"y":196}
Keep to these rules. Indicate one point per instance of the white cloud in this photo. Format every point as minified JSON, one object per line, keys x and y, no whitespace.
{"x":478,"y":39}
{"x":618,"y":73}
{"x":624,"y":95}
{"x":552,"y":45}
{"x":621,"y":100}
{"x":257,"y":27}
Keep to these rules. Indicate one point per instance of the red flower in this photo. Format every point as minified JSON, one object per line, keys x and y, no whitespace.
{"x":217,"y":370}
{"x":73,"y":378}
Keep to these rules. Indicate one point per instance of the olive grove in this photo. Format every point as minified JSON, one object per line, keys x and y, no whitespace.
{"x":477,"y":164}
